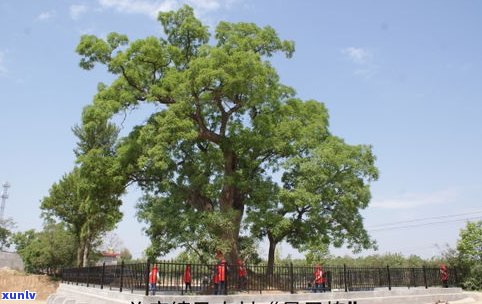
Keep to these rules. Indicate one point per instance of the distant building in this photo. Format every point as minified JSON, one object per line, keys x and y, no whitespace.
{"x":109,"y":257}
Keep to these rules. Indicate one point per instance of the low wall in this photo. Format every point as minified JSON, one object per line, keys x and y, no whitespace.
{"x":11,"y":260}
{"x":72,"y":294}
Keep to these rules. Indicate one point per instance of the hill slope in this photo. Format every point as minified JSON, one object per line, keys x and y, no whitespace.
{"x":14,"y":281}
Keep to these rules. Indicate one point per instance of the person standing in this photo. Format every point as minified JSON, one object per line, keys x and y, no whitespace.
{"x":221,"y":278}
{"x":444,"y":275}
{"x":153,"y":279}
{"x":319,"y":279}
{"x":187,"y":277}
{"x":242,"y":275}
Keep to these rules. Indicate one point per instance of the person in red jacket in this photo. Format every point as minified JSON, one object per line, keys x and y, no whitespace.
{"x":221,"y":277}
{"x":319,"y":279}
{"x":187,"y":277}
{"x":242,"y":275}
{"x":153,"y":279}
{"x":444,"y":275}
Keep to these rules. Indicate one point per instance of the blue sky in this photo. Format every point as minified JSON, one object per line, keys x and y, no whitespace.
{"x":402,"y":76}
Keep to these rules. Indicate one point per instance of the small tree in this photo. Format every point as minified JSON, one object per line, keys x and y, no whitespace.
{"x":48,"y":250}
{"x":6,"y":226}
{"x":88,"y":198}
{"x":470,"y":243}
{"x":469,"y":247}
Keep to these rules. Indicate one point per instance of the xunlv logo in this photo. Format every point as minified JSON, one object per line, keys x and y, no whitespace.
{"x":23,"y":295}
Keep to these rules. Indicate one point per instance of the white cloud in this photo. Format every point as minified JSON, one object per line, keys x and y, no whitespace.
{"x":45,"y":16}
{"x":413,"y":200}
{"x":206,"y":5}
{"x":76,"y":10}
{"x":151,"y":8}
{"x":3,"y":68}
{"x":357,"y":55}
{"x":363,"y":59}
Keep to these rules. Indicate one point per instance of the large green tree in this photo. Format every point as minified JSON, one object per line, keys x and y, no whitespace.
{"x":323,"y":189}
{"x":225,"y":126}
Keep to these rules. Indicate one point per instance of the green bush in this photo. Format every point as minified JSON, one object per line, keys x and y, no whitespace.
{"x":474,"y":280}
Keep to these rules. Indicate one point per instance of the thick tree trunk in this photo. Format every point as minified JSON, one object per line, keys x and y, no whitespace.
{"x":79,"y":256}
{"x":85,"y":259}
{"x":271,"y":254}
{"x":232,"y":205}
{"x":233,"y":255}
{"x":231,"y":234}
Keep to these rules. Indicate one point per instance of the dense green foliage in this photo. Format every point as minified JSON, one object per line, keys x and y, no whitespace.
{"x":469,"y":247}
{"x":6,"y":226}
{"x":470,"y":242}
{"x":248,"y":252}
{"x":48,"y":250}
{"x":380,"y":260}
{"x":4,"y":238}
{"x":225,"y":126}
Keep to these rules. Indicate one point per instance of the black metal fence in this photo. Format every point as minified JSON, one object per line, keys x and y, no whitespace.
{"x":288,"y":278}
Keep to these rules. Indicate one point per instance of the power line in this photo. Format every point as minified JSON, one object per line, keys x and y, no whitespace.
{"x":425,"y":219}
{"x":424,"y":224}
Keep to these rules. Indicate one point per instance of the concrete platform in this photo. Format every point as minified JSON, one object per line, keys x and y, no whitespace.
{"x":72,"y":294}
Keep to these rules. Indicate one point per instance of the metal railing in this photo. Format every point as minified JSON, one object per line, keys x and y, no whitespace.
{"x":288,"y":278}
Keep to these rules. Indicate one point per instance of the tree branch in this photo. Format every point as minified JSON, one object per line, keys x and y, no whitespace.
{"x":204,"y":132}
{"x":163,"y":100}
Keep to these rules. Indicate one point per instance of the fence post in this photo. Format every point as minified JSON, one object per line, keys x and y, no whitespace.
{"x":260,"y":284}
{"x":225,"y":265}
{"x":122,"y":276}
{"x":344,"y":277}
{"x":380,"y":276}
{"x":425,"y":276}
{"x":88,"y":276}
{"x":147,"y":277}
{"x":292,"y":279}
{"x":412,"y":278}
{"x":183,"y":284}
{"x":329,"y":279}
{"x":78,"y":275}
{"x":102,"y":278}
{"x":389,"y":278}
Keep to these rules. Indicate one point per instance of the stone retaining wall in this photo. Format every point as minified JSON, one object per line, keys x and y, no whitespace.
{"x":72,"y":294}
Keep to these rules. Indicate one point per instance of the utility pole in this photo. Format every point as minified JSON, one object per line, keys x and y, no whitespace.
{"x":4,"y":197}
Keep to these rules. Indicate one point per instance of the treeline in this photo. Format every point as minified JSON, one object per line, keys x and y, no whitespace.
{"x":48,"y":250}
{"x":376,"y":260}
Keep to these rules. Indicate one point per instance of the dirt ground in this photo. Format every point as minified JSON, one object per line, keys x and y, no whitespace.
{"x":14,"y":281}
